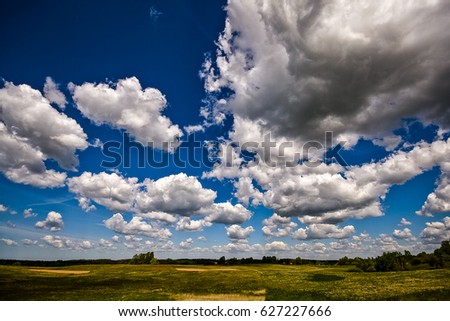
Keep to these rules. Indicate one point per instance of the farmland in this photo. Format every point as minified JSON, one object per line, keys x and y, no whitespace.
{"x":240,"y":282}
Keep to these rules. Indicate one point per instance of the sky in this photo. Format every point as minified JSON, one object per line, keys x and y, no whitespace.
{"x":201,"y":129}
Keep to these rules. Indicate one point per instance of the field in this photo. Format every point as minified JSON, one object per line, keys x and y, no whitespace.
{"x":244,"y":282}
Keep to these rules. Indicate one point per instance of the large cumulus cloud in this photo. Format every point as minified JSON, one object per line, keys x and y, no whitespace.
{"x":356,"y":68}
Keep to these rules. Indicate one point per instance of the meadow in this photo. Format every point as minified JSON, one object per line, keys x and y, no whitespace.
{"x":242,"y":282}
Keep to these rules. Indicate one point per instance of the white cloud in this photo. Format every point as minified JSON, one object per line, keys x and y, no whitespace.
{"x":439,"y":200}
{"x":186,"y":244}
{"x":3,"y":208}
{"x":404,"y":222}
{"x":105,"y":244}
{"x":136,"y":226}
{"x":29,"y":213}
{"x":278,"y":226}
{"x":245,"y":191}
{"x":115,"y":238}
{"x":238,"y":246}
{"x":126,"y":105}
{"x":29,"y":242}
{"x":276,"y":246}
{"x":53,"y":222}
{"x":115,"y":192}
{"x":132,"y":242}
{"x":188,"y":225}
{"x":175,"y":194}
{"x":316,"y":247}
{"x":331,"y":193}
{"x":354,"y":74}
{"x":86,"y":245}
{"x":193,"y":129}
{"x":236,"y":232}
{"x":436,"y":232}
{"x":159,"y":216}
{"x":226,"y":213}
{"x":202,"y":238}
{"x":61,"y":242}
{"x":9,"y":242}
{"x":10,"y":224}
{"x":21,"y":163}
{"x":36,"y":131}
{"x":53,"y":94}
{"x":323,"y":231}
{"x":402,"y":234}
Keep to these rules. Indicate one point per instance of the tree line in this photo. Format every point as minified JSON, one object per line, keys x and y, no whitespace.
{"x":388,"y":261}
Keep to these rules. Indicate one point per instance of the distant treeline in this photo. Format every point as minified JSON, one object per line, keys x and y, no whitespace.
{"x":389,"y":261}
{"x":397,"y":261}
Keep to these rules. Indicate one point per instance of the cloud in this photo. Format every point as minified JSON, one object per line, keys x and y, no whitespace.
{"x":246,"y":191}
{"x":354,"y":74}
{"x":137,"y":226}
{"x":115,"y":192}
{"x":202,"y":238}
{"x":330,"y":193}
{"x":126,"y":105}
{"x":436,"y":232}
{"x":132,"y":242}
{"x":29,"y":213}
{"x":316,"y":247}
{"x":238,"y":246}
{"x":106,"y":244}
{"x":53,"y":222}
{"x":53,"y":94}
{"x":159,"y":216}
{"x":439,"y":200}
{"x":36,"y":131}
{"x":236,"y":232}
{"x":226,"y":213}
{"x":3,"y":208}
{"x":193,"y":129}
{"x":188,"y":225}
{"x":23,"y":164}
{"x":278,"y":226}
{"x":402,"y":234}
{"x":10,"y":224}
{"x":29,"y":242}
{"x":9,"y":242}
{"x":115,"y":238}
{"x":175,"y":194}
{"x":404,"y":222}
{"x":61,"y":242}
{"x":186,"y":244}
{"x":323,"y":231}
{"x":276,"y":246}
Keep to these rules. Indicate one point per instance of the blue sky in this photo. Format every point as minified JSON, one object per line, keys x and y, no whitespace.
{"x":244,"y":94}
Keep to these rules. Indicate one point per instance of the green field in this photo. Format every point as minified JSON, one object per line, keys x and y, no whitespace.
{"x":244,"y":282}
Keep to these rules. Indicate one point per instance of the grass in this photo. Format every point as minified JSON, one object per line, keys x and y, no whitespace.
{"x":258,"y":282}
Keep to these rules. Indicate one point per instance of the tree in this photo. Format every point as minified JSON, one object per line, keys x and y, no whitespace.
{"x":222,"y":260}
{"x":144,"y":258}
{"x":344,"y":261}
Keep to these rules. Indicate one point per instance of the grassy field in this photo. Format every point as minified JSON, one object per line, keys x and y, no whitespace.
{"x":257,"y":282}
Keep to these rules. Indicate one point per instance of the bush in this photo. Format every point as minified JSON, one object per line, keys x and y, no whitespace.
{"x":355,"y":269}
{"x":371,"y":269}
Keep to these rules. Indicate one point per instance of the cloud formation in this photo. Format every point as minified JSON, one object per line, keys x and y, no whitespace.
{"x":53,"y":222}
{"x":352,"y":67}
{"x":237,"y":232}
{"x":127,"y":106}
{"x":137,"y":226}
{"x":115,"y":192}
{"x":53,"y":94}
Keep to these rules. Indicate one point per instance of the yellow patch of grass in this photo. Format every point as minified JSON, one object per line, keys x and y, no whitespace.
{"x":60,"y":271}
